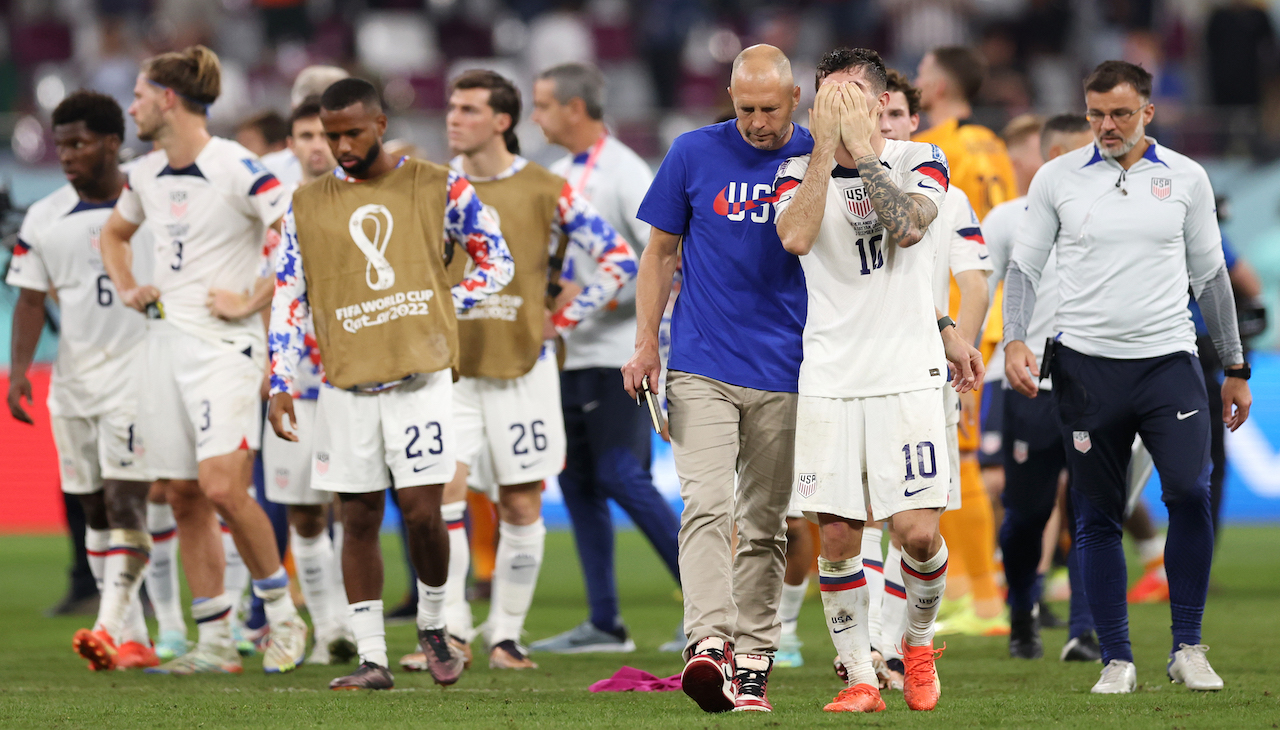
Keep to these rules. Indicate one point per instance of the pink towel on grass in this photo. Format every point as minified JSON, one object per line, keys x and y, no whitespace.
{"x":630,"y":678}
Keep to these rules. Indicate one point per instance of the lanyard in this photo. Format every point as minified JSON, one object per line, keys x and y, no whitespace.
{"x":590,"y":164}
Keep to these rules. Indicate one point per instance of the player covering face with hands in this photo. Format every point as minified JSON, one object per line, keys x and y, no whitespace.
{"x":858,"y":211}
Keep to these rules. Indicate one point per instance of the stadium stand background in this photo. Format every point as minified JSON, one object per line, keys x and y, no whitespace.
{"x":1216,"y":62}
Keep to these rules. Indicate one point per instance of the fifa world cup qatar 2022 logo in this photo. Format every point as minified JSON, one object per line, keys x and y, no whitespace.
{"x":378,"y":273}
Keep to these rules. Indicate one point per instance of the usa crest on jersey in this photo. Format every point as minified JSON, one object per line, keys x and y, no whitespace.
{"x":178,"y":203}
{"x":1081,"y":440}
{"x":806,"y":485}
{"x":1161,"y":187}
{"x":858,"y":201}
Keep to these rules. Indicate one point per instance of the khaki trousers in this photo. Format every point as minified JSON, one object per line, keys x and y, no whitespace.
{"x":718,"y":430}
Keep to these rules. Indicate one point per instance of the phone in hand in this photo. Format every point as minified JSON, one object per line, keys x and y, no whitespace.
{"x":655,"y":409}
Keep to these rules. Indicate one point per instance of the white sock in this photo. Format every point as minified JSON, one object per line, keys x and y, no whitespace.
{"x":276,"y":601}
{"x":873,"y":564}
{"x":96,"y":544}
{"x":430,"y":606}
{"x":314,"y":559}
{"x":457,"y":612}
{"x":789,"y":606}
{"x":366,"y":622}
{"x":1152,"y":551}
{"x":925,"y":583}
{"x":236,"y":578}
{"x":893,"y":609}
{"x":126,"y":561}
{"x":213,"y":620}
{"x":162,"y":571}
{"x":135,"y":625}
{"x":515,"y":575}
{"x":844,"y":601}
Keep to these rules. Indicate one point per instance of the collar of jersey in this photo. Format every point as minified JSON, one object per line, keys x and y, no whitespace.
{"x":1150,"y":154}
{"x":342,"y":175}
{"x":516,"y":166}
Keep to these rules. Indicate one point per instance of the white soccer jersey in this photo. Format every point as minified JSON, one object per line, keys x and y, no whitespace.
{"x":58,"y":248}
{"x":209,"y":219}
{"x":1128,"y":245}
{"x":961,"y":248}
{"x":1000,"y":228}
{"x":871,"y":328}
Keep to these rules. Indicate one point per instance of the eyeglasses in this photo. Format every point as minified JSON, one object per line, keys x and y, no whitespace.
{"x":1118,"y":116}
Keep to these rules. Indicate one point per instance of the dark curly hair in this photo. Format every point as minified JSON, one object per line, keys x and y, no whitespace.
{"x":847,"y":59}
{"x":99,"y":112}
{"x":897,"y":81}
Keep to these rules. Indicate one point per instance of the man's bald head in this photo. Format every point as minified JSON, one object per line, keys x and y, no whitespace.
{"x":762,"y":63}
{"x":764,"y":95}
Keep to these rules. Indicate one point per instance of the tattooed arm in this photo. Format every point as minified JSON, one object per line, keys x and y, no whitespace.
{"x":905,"y":216}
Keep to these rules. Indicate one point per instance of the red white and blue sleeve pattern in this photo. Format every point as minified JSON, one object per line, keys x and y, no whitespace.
{"x":789,"y":176}
{"x":469,"y":225}
{"x":932,"y":175}
{"x":616,"y":263}
{"x":290,"y":312}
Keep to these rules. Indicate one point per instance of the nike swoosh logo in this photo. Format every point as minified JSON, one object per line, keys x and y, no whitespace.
{"x":927,"y":187}
{"x":905,"y":493}
{"x":203,"y":442}
{"x":277,"y":200}
{"x":1184,"y":416}
{"x":535,"y":462}
{"x":417,"y":469}
{"x":983,"y":256}
{"x":841,"y":631}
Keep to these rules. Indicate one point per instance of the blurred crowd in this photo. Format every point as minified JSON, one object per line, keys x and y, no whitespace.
{"x":1215,"y":61}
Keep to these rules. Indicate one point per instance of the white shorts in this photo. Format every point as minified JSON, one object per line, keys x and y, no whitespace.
{"x":518,"y":421}
{"x":365,"y":442}
{"x":201,"y":400}
{"x":286,"y":465}
{"x":97,"y":448}
{"x":953,"y":458}
{"x":882,"y":452}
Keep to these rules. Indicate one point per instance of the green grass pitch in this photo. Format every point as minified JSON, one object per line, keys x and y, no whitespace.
{"x":43,"y":684}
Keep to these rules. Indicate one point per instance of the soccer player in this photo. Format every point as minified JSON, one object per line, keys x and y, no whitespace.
{"x":93,"y":397}
{"x":287,"y":464}
{"x":365,"y":250}
{"x":311,"y":82}
{"x":1131,"y":224}
{"x":731,"y":390}
{"x":962,"y":257}
{"x":608,"y":437}
{"x":507,"y":401}
{"x":949,"y":79}
{"x":1032,"y":444}
{"x":209,"y":202}
{"x":874,"y":364}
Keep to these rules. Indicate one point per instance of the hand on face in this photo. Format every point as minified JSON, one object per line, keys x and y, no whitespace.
{"x":824,"y":117}
{"x":858,"y":120}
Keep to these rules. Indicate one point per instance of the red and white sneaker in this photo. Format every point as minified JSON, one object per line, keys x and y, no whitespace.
{"x":750,"y":682}
{"x":708,"y":675}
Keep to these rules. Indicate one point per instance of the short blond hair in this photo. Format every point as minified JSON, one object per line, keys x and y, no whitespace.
{"x":193,"y":73}
{"x":1021,"y":128}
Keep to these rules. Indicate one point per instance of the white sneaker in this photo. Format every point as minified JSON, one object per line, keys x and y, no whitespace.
{"x":1118,"y":678}
{"x":320,"y":652}
{"x":1189,"y":666}
{"x":287,"y":646}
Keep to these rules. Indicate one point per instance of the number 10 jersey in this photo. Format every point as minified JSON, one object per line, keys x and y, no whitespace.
{"x":871,"y":328}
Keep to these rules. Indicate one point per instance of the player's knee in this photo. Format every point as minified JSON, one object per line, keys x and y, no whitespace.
{"x":917,"y":540}
{"x":307,"y":520}
{"x":423,"y":519}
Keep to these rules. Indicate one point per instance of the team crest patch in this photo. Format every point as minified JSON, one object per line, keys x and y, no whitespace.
{"x":95,"y":238}
{"x":1161,"y":187}
{"x":806,"y":485}
{"x":178,"y":203}
{"x":282,"y":478}
{"x":858,"y":201}
{"x":991,"y":442}
{"x":1080,"y":439}
{"x":322,"y":462}
{"x":1021,"y":450}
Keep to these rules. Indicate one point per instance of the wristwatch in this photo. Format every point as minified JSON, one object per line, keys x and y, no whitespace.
{"x":946,"y":322}
{"x":1243,"y":372}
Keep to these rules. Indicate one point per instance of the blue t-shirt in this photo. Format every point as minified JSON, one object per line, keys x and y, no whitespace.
{"x":1196,"y":317}
{"x":741,"y":311}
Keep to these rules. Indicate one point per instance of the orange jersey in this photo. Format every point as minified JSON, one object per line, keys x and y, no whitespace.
{"x":978,"y":162}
